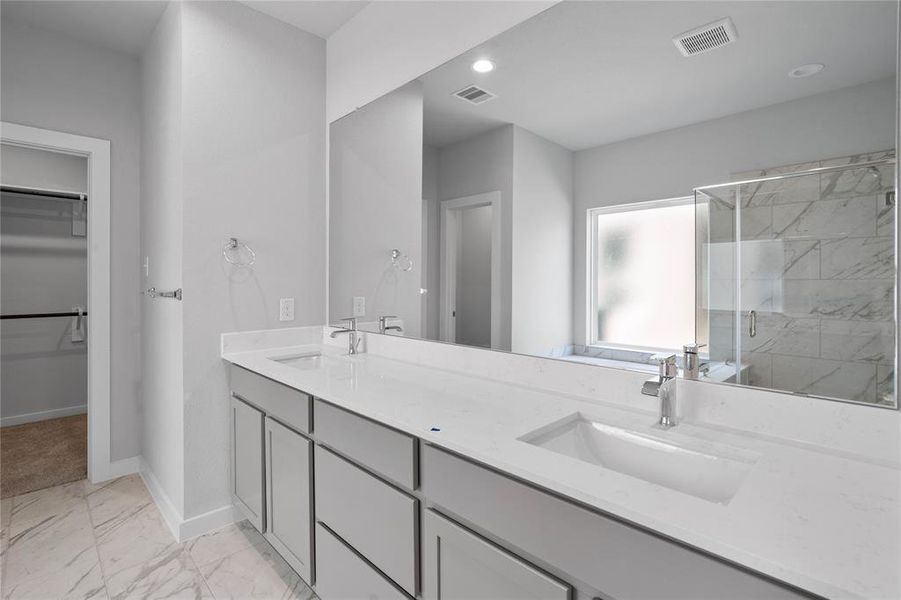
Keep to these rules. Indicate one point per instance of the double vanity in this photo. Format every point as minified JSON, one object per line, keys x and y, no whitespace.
{"x":381,"y":475}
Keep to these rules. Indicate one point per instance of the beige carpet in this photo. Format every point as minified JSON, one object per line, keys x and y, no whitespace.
{"x":38,"y":455}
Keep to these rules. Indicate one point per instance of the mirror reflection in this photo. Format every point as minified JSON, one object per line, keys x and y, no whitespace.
{"x":610,"y":182}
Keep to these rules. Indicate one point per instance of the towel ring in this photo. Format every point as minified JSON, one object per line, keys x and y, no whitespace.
{"x":234,"y":245}
{"x":400,"y":261}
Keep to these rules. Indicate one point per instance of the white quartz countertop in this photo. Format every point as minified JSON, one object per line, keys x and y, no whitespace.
{"x":820,"y":520}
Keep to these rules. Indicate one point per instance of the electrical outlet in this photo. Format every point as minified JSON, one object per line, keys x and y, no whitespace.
{"x":359,"y":306}
{"x":286,"y":309}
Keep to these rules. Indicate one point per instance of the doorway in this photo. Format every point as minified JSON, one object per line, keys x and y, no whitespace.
{"x":470,"y":270}
{"x":56,"y":276}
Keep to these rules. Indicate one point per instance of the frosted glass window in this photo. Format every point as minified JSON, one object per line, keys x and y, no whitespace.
{"x":643,"y":275}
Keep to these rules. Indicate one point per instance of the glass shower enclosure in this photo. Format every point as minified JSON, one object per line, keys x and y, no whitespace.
{"x":796,"y":278}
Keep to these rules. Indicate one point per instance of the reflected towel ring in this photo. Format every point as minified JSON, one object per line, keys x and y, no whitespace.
{"x":400,"y":261}
{"x":234,"y":246}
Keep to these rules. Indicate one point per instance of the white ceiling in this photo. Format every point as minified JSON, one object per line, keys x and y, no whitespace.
{"x":584,"y":74}
{"x":122,"y":26}
{"x":319,"y":17}
{"x":126,"y":25}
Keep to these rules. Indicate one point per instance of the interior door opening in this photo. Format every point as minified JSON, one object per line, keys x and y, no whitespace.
{"x":470,"y":267}
{"x":43,"y":293}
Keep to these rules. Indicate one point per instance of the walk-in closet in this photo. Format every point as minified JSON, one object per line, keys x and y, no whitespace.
{"x":43,"y":330}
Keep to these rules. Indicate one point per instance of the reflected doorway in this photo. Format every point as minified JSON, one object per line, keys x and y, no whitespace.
{"x":470,"y":270}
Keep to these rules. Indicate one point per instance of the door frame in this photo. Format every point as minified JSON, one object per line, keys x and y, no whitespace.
{"x":449,"y":222}
{"x":97,"y":153}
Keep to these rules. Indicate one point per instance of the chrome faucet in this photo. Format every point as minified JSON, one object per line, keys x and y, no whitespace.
{"x":691,"y":362}
{"x":663,"y":386}
{"x":384,"y":327}
{"x":351,"y":331}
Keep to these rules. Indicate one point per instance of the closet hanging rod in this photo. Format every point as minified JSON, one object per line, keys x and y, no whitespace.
{"x":44,"y":193}
{"x":71,"y":313}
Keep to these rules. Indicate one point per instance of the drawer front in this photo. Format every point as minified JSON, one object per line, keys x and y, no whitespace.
{"x":386,"y":451}
{"x":459,"y":564}
{"x":342,"y":575}
{"x":379,"y":521}
{"x":289,"y":462}
{"x":247,"y":461}
{"x":621,"y":561}
{"x":282,"y":402}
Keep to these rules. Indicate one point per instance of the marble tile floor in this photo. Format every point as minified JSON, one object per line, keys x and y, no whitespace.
{"x":108,"y":541}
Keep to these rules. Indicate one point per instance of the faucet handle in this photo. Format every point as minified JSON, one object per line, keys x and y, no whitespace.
{"x":351,"y":322}
{"x":384,"y":318}
{"x":693,"y":348}
{"x":668,"y":368}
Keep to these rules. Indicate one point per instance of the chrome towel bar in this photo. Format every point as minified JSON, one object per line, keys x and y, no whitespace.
{"x":153,"y":293}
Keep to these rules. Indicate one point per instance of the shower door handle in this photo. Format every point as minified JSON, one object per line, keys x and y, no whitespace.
{"x":752,"y":323}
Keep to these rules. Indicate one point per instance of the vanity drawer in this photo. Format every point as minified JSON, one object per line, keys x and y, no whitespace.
{"x":386,"y":451}
{"x":376,"y":519}
{"x":342,"y":575}
{"x":617,"y":559}
{"x":286,"y":404}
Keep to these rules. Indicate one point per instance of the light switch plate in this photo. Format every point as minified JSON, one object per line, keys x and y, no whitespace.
{"x":359,"y":306}
{"x":286,"y":309}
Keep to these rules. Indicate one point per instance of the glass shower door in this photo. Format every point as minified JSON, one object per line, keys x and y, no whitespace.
{"x":801,"y":278}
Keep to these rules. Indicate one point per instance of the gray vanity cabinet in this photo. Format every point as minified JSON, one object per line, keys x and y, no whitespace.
{"x":379,"y":521}
{"x":342,"y":574}
{"x":247,"y":461}
{"x":272,"y":464}
{"x":460,"y":565}
{"x":289,"y":516}
{"x":619,"y":560}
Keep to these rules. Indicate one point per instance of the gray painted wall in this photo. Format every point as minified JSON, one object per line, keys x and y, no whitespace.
{"x":254,"y":168}
{"x":54,"y":82}
{"x":476,"y":166}
{"x":431,"y":251}
{"x":375,"y":205}
{"x":542,"y":245}
{"x":40,"y":168}
{"x":672,"y":163}
{"x":161,"y":238}
{"x":43,"y":268}
{"x":534,"y":177}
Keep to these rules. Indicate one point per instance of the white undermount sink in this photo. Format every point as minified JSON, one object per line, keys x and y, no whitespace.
{"x":304,"y":360}
{"x":703,"y":469}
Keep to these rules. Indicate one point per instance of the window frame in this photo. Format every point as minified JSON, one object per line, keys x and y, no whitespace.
{"x":592,"y":214}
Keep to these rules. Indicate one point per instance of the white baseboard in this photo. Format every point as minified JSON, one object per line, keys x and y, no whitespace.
{"x":43,"y":415}
{"x":170,"y":514}
{"x":184,"y":529}
{"x":207,"y":522}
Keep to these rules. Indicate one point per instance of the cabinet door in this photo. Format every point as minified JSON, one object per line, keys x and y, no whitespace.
{"x":459,"y":565}
{"x":342,"y":575}
{"x":247,"y":461}
{"x":288,"y":467}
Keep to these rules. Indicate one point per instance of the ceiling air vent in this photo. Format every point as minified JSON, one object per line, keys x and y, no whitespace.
{"x":474,"y":95}
{"x":706,"y":38}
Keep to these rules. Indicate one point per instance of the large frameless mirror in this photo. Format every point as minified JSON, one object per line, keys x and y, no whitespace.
{"x":610,"y":181}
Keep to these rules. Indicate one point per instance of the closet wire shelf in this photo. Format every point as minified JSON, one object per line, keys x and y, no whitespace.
{"x":48,"y":315}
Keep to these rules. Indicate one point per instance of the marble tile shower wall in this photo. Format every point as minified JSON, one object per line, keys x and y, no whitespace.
{"x":817,"y":266}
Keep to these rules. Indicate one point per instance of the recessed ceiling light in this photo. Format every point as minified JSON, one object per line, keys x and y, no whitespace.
{"x":483,"y":65}
{"x":806,"y":70}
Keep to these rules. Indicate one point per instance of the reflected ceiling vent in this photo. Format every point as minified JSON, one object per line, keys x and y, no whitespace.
{"x":475,"y":95}
{"x":706,"y":38}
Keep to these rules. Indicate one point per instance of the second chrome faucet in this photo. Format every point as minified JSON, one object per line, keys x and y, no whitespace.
{"x":351,"y":331}
{"x":664,"y":387}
